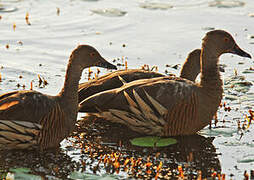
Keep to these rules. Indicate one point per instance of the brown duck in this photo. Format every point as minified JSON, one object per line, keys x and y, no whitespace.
{"x":190,"y":70}
{"x":167,"y":106}
{"x":31,"y":119}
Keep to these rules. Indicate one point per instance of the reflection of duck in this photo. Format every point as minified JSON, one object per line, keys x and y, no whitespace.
{"x":190,"y":70}
{"x":169,"y":106}
{"x":193,"y":153}
{"x":57,"y":165}
{"x":31,"y":118}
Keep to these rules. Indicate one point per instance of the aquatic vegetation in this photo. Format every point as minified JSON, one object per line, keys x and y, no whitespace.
{"x":152,"y":141}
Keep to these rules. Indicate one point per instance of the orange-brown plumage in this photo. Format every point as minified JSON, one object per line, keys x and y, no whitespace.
{"x":168,"y":106}
{"x":30,"y":119}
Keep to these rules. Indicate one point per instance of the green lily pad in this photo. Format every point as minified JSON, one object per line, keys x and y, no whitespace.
{"x":153,"y":141}
{"x":20,"y":170}
{"x":22,"y":173}
{"x":79,"y":175}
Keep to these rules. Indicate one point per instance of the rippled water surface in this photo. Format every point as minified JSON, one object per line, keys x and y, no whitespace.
{"x":38,"y":36}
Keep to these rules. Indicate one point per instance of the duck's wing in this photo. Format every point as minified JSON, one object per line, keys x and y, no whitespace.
{"x":112,"y":80}
{"x":29,"y":119}
{"x":145,"y":105}
{"x":29,"y":106}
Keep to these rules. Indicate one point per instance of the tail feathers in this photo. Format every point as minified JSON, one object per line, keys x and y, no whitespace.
{"x":18,"y":134}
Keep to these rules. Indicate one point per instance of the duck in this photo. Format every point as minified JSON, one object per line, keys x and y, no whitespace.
{"x":169,"y":106}
{"x":33,"y":120}
{"x":115,"y":79}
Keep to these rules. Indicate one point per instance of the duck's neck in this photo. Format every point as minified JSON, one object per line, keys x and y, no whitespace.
{"x":210,"y":76}
{"x":69,"y":93}
{"x":190,"y":70}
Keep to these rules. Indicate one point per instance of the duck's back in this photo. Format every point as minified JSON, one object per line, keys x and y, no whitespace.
{"x":28,"y":106}
{"x":112,"y":80}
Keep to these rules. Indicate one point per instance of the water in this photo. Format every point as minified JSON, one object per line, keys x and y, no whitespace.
{"x":143,"y":32}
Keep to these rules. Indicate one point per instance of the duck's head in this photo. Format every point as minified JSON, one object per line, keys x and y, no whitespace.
{"x":88,"y":56}
{"x":220,"y":42}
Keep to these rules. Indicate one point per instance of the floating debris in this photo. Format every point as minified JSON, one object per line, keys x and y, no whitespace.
{"x":110,"y":12}
{"x":154,"y":6}
{"x":250,"y":70}
{"x":7,"y":8}
{"x":226,"y":3}
{"x":251,"y":14}
{"x":7,"y":46}
{"x":208,"y":28}
{"x":27,"y":19}
{"x":251,"y":36}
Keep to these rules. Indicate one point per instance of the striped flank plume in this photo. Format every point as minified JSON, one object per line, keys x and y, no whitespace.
{"x":141,"y":117}
{"x":18,"y":134}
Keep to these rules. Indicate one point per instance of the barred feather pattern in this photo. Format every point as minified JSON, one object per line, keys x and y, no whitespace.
{"x":52,"y":132}
{"x":18,"y":134}
{"x":141,"y":116}
{"x":153,"y":118}
{"x":183,"y":118}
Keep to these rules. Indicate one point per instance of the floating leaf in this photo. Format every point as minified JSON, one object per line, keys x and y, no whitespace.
{"x":153,"y":6}
{"x":79,"y":175}
{"x":22,"y":173}
{"x":110,"y":12}
{"x":152,"y":141}
{"x":226,"y":3}
{"x":7,"y":8}
{"x":20,"y":170}
{"x":247,"y":159}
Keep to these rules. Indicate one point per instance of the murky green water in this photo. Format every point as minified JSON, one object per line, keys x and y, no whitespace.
{"x":143,"y":32}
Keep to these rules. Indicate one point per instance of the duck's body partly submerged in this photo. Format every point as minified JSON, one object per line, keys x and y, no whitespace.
{"x":190,"y":70}
{"x":31,"y":119}
{"x":167,"y":106}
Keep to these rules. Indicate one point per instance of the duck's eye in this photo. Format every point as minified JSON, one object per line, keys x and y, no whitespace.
{"x":226,"y":39}
{"x":92,"y":54}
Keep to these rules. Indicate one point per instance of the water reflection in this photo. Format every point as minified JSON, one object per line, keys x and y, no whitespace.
{"x":194,"y":154}
{"x":56,"y":164}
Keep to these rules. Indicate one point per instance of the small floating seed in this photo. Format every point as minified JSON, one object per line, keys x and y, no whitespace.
{"x":27,"y":19}
{"x":14,"y":26}
{"x":40,"y":80}
{"x":98,"y":71}
{"x":124,"y":45}
{"x":20,"y":77}
{"x":20,"y":43}
{"x":7,"y":46}
{"x":31,"y":85}
{"x":45,"y":82}
{"x":58,"y":11}
{"x":126,"y":65}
